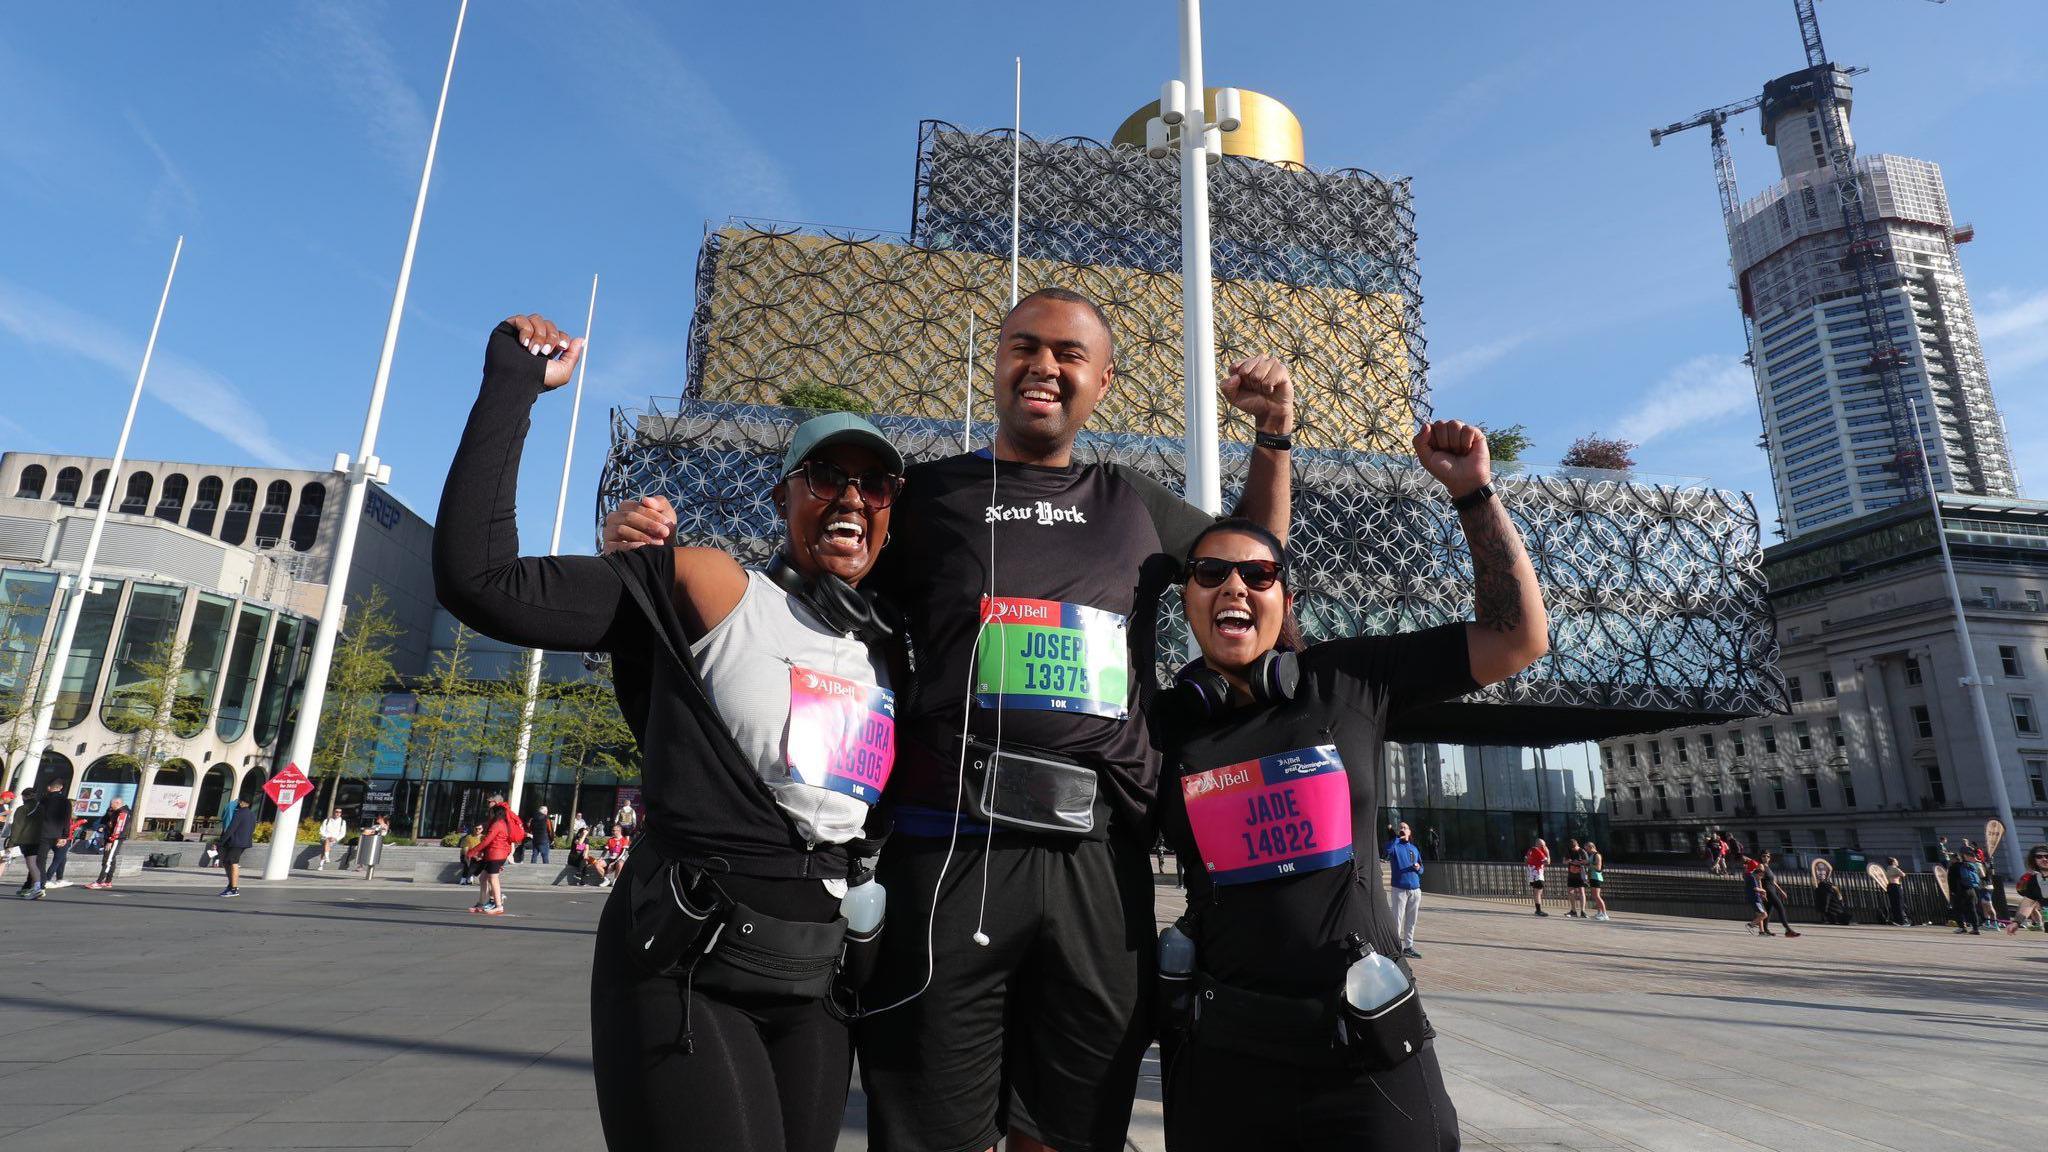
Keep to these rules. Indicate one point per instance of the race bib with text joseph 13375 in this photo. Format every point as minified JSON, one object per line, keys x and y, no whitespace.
{"x":1275,"y":816}
{"x":1052,"y":655}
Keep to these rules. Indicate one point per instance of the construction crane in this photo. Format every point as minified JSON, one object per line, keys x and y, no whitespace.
{"x":1715,"y":119}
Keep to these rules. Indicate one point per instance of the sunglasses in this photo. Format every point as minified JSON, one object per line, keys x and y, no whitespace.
{"x":1212,"y":572}
{"x":827,"y":481}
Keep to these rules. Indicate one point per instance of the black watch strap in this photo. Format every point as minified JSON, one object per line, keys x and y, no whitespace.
{"x":1474,"y":498}
{"x":1277,"y":441}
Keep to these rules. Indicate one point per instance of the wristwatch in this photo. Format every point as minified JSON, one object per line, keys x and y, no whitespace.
{"x":1474,"y":498}
{"x":1277,"y":441}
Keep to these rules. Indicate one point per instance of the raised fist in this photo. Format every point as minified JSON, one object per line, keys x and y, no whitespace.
{"x":538,"y":335}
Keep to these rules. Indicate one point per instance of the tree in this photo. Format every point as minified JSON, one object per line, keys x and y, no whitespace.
{"x":18,"y":721}
{"x":149,"y":712}
{"x":351,"y":720}
{"x":1597,"y":451}
{"x":588,"y":732}
{"x":813,"y":396}
{"x":1506,"y":445}
{"x":444,"y":727}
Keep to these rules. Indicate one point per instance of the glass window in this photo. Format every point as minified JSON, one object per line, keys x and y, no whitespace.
{"x":234,"y":526}
{"x":1835,"y":732}
{"x":1714,"y":793}
{"x":171,"y":504}
{"x":1770,"y":736}
{"x":270,"y":524}
{"x":2009,"y":661}
{"x":136,"y":502}
{"x":1656,"y":753}
{"x":306,"y":521}
{"x":1685,"y":790}
{"x":1803,"y":735}
{"x":1631,"y":750}
{"x":1778,"y":793}
{"x":1748,"y":797}
{"x":1812,"y":783}
{"x":88,"y":650}
{"x":1827,"y":684}
{"x":1679,"y":744}
{"x":1936,"y":791}
{"x":68,"y":480}
{"x":1848,"y":789}
{"x":204,"y":506}
{"x":1736,"y":745}
{"x":35,"y":476}
{"x":1793,"y":690}
{"x":2023,"y":716}
{"x":1635,"y":795}
{"x":2037,"y":779}
{"x":238,"y":689}
{"x":2034,"y":599}
{"x":99,"y":489}
{"x":277,"y":672}
{"x":1912,"y":670}
{"x":25,"y":600}
{"x":146,"y":636}
{"x":204,"y":647}
{"x":1923,"y":722}
{"x":1989,"y":595}
{"x":1707,"y":745}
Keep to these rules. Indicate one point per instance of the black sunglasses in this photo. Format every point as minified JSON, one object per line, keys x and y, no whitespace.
{"x":1212,"y":572}
{"x":827,"y":481}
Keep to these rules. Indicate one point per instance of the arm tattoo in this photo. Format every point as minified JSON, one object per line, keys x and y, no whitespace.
{"x":1496,"y":583}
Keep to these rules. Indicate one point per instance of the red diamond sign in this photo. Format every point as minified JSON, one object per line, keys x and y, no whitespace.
{"x":288,"y":787}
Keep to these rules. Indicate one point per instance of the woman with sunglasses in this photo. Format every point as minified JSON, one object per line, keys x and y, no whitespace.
{"x":2033,"y":892}
{"x":766,"y":730}
{"x":1272,"y":758}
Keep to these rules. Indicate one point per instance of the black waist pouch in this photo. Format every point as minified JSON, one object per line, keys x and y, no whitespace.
{"x":753,"y":954}
{"x":674,"y":912}
{"x":1388,"y":1035}
{"x":1300,"y":1031}
{"x":1030,"y":789}
{"x":857,"y":960}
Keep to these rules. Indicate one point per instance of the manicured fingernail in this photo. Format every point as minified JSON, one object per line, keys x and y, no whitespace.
{"x":525,"y":343}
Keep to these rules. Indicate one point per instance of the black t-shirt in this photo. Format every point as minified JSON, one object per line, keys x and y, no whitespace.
{"x":1073,"y":547}
{"x":1285,"y":932}
{"x":1575,"y":863}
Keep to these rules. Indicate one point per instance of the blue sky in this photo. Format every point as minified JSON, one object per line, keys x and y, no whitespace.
{"x":1574,"y":278}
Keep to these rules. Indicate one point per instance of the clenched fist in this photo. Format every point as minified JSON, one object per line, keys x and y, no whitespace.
{"x":637,"y":522}
{"x":1262,"y":388}
{"x":1455,"y":453}
{"x":540,"y":336}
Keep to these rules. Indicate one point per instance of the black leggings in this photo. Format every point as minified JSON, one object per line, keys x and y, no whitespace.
{"x":754,"y":1075}
{"x":1219,"y":1101}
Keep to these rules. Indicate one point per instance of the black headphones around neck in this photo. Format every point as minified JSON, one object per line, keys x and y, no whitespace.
{"x":840,"y":605}
{"x":1273,"y":679}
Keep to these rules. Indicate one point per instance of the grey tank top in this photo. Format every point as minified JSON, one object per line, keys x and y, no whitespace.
{"x":752,"y":665}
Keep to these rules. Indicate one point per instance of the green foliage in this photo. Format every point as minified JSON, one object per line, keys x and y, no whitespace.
{"x":814,"y":396}
{"x":1507,"y":445}
{"x":1596,"y":451}
{"x":351,"y":717}
{"x":445,"y":729}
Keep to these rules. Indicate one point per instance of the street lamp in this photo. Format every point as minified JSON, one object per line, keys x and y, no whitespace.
{"x":364,"y":470}
{"x":1183,"y":123}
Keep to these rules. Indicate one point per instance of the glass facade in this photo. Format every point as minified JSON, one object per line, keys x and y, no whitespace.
{"x":25,"y":600}
{"x":277,"y":674}
{"x":1488,"y":802}
{"x":205,"y":645}
{"x":238,"y":693}
{"x":146,"y":635}
{"x":81,"y":676}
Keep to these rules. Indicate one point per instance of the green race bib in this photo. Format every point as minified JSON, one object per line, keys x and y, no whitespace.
{"x":1052,"y":656}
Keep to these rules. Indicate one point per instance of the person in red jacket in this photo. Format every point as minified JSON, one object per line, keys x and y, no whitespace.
{"x":1537,"y":859}
{"x":114,"y":831}
{"x":502,"y":833}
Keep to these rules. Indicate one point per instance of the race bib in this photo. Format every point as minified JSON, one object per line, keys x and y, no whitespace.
{"x":842,"y":733}
{"x":1050,"y":655}
{"x":1275,"y":816}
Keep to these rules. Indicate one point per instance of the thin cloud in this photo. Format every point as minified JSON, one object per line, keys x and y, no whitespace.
{"x":194,"y":391}
{"x":1699,"y":391}
{"x":172,"y":203}
{"x":2014,"y":329}
{"x":1461,"y":364}
{"x":337,"y":47}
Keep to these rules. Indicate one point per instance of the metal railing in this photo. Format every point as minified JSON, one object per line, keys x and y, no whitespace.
{"x":1677,"y":891}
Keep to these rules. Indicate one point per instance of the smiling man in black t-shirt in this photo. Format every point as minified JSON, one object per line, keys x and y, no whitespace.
{"x":1013,"y":994}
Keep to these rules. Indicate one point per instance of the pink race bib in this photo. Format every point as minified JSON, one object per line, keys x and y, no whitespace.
{"x":1275,"y":816}
{"x":842,"y":733}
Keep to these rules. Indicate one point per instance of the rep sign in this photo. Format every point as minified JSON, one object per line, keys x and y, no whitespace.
{"x":288,"y":787}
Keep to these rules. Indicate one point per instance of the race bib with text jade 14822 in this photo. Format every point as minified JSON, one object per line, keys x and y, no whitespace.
{"x":1275,"y":816}
{"x":842,"y":733}
{"x":1054,"y":656}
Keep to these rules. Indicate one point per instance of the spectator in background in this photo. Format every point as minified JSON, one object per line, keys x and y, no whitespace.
{"x":1596,"y":879}
{"x":465,"y":850}
{"x":1536,"y":860}
{"x":579,"y":824}
{"x":114,"y":828}
{"x":236,"y":836}
{"x":540,"y":834}
{"x":1404,"y":860}
{"x":1963,"y":879}
{"x":1829,"y":902}
{"x":626,"y":821}
{"x":1895,"y":892}
{"x":45,"y":827}
{"x":614,"y":855}
{"x":333,"y":830}
{"x":53,"y":877}
{"x":1574,"y":879}
{"x":502,"y":832}
{"x":1434,"y":841}
{"x":579,"y":857}
{"x":1766,"y":895}
{"x":7,"y":849}
{"x":2033,"y":891}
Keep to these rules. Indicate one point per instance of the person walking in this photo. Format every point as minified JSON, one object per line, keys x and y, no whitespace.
{"x":53,"y":876}
{"x":1574,"y":879}
{"x":1434,"y":841}
{"x":1895,"y":893}
{"x":1535,"y":862}
{"x":333,"y":830}
{"x":236,"y":837}
{"x":502,"y":832}
{"x":41,"y":828}
{"x":1309,"y":1033}
{"x":1767,"y":896}
{"x":1405,"y":867}
{"x":1963,"y":879}
{"x":113,"y":834}
{"x":1596,"y":880}
{"x":8,"y":850}
{"x":540,"y":835}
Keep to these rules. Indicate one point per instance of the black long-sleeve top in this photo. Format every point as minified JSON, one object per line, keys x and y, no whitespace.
{"x":705,"y":804}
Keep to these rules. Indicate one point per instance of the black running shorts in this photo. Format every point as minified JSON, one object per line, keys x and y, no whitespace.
{"x":489,"y":867}
{"x":1041,"y":1031}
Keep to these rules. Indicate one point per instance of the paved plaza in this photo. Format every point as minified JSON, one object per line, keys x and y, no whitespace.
{"x":335,"y":1013}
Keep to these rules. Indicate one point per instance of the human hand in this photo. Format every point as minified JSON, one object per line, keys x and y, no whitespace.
{"x":1261,"y":387}
{"x":1455,"y":453}
{"x":540,"y":336}
{"x":639,"y":521}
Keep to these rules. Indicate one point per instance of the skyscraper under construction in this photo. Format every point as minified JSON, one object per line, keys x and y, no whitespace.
{"x":1827,"y":421}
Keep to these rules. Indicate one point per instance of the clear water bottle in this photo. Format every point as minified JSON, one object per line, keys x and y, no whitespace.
{"x":1176,"y":952}
{"x":1373,"y":982}
{"x":863,"y":904}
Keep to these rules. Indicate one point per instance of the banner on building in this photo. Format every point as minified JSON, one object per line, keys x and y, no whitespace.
{"x":168,"y":802}
{"x":95,"y":797}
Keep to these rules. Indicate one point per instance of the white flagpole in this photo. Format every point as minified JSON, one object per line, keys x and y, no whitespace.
{"x":525,"y":747}
{"x":1016,"y":179}
{"x":1204,"y":469}
{"x":967,"y":425}
{"x":365,"y":469}
{"x":77,"y":588}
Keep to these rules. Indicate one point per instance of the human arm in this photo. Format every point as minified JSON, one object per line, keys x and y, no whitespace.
{"x":1510,"y":629}
{"x":1262,"y":388}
